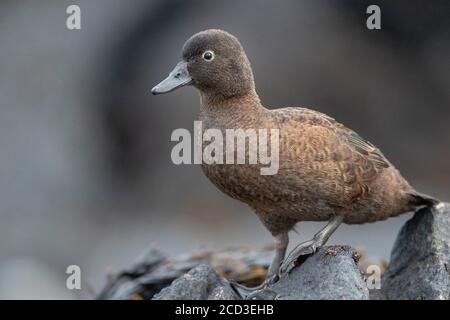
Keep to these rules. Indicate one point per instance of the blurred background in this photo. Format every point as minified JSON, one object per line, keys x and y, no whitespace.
{"x":86,"y":174}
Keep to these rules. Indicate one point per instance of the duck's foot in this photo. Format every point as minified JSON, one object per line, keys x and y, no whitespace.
{"x":310,"y":247}
{"x":261,"y":291}
{"x":303,"y":249}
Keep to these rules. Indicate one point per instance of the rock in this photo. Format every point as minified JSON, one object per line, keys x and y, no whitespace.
{"x":140,"y":281}
{"x":154,"y":271}
{"x":331,"y":273}
{"x":201,"y":283}
{"x":420,"y":258}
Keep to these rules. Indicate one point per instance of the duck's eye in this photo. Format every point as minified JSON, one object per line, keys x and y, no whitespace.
{"x":208,"y":55}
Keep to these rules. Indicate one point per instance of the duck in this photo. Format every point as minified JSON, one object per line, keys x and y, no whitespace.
{"x":327,"y":172}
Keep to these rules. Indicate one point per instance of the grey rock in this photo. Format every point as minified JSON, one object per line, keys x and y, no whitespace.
{"x":420,"y":258}
{"x":331,"y":273}
{"x":200,"y":283}
{"x":139,"y":279}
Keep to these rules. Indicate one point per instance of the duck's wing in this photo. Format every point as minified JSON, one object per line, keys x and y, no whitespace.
{"x":363,"y":147}
{"x":359,"y":144}
{"x":351,"y":162}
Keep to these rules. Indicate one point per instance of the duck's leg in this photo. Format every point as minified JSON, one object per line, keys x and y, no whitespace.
{"x":309,"y":247}
{"x":281,"y":242}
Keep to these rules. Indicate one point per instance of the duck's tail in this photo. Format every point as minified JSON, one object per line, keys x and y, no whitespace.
{"x":420,"y":199}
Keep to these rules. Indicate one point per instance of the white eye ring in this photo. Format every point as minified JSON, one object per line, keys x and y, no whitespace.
{"x":208,"y":55}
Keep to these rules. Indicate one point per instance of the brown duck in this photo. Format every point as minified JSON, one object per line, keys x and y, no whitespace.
{"x":327,"y":172}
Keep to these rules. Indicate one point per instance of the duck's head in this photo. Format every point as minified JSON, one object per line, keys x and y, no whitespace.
{"x":215,"y":63}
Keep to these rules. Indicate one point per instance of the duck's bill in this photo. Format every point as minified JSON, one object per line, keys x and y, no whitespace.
{"x":179,"y":77}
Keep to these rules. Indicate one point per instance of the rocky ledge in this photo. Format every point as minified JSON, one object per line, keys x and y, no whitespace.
{"x":419,"y":269}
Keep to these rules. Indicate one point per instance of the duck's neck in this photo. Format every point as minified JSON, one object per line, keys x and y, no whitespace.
{"x":231,"y":110}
